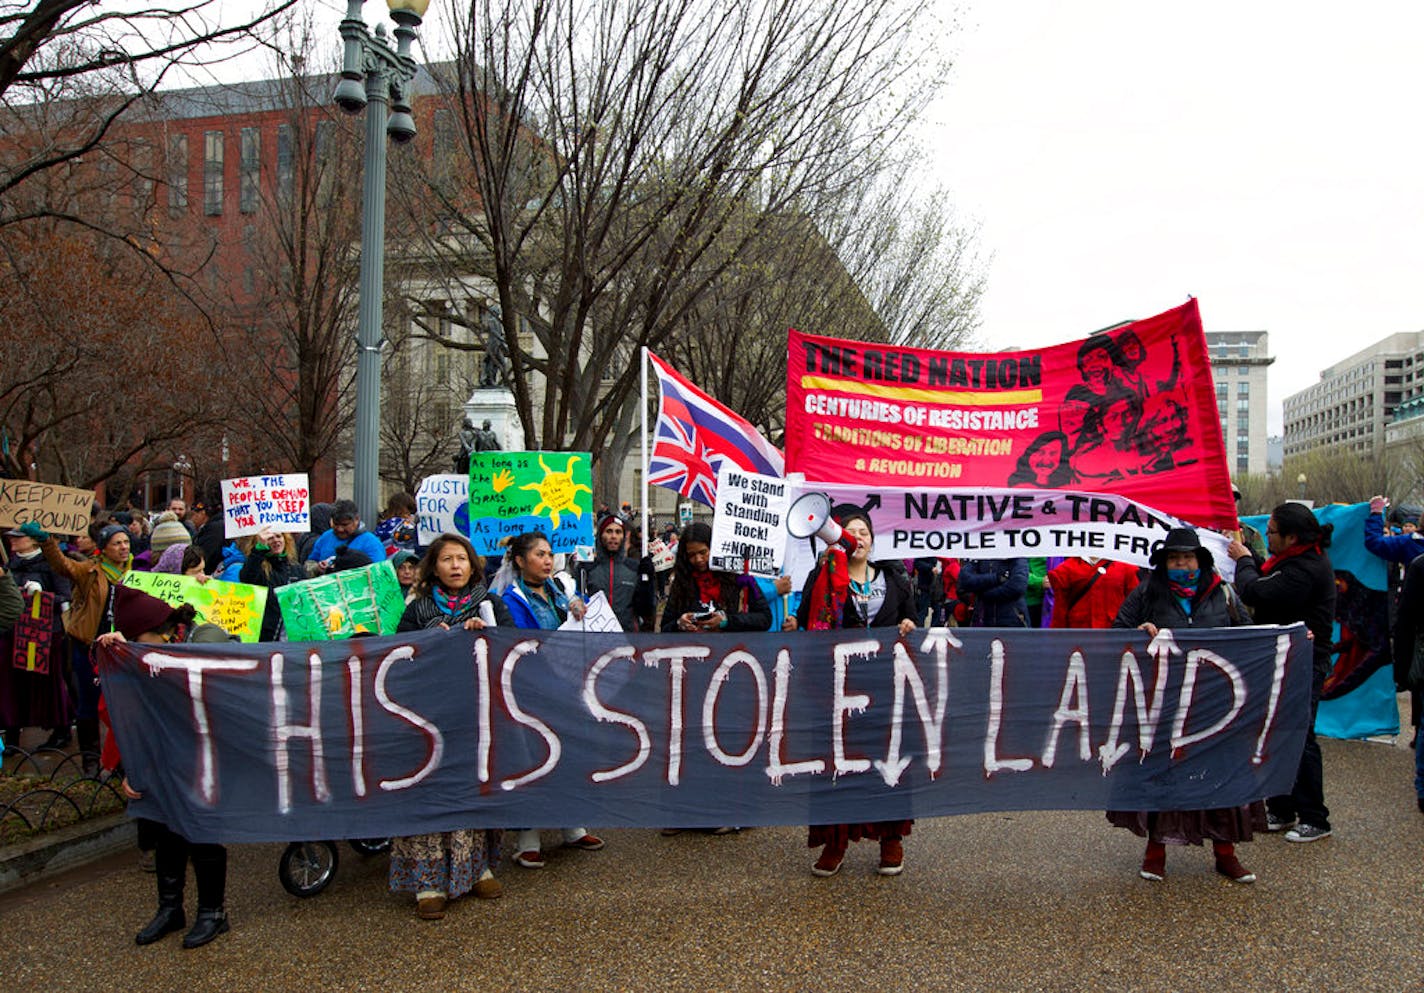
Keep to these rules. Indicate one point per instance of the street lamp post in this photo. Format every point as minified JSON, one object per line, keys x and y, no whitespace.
{"x":1301,"y":481}
{"x":373,"y":75}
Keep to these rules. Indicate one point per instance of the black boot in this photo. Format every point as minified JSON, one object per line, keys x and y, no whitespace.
{"x":171,"y":865}
{"x":206,"y":926}
{"x":88,"y":731}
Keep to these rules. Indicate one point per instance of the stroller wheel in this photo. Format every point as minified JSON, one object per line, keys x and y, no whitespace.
{"x":307,"y":867}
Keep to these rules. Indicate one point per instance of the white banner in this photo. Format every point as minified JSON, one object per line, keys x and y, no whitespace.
{"x":749,"y":522}
{"x":1010,"y":523}
{"x":442,"y":503}
{"x":252,"y":504}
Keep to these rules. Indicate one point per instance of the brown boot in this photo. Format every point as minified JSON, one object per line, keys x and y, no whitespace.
{"x":830,"y":861}
{"x":892,"y":857}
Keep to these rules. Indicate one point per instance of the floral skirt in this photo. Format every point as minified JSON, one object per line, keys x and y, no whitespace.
{"x":450,"y":862}
{"x":1193,"y":827}
{"x":839,"y":835}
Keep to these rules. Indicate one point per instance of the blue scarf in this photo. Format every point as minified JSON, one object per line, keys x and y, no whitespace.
{"x":1183,"y":584}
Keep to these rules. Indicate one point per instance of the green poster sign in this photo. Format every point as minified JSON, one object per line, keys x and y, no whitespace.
{"x":514,"y":492}
{"x":356,"y":601}
{"x":235,"y":607}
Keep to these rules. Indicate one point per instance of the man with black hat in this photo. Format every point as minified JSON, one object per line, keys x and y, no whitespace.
{"x":627,"y":584}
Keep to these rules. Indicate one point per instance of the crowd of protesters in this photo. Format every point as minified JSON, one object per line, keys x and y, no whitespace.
{"x":1286,"y":577}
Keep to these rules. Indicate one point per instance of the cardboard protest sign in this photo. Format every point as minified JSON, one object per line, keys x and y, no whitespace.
{"x":442,"y":503}
{"x":598,"y":616}
{"x":57,"y":509}
{"x":252,"y":504}
{"x":1129,"y":411}
{"x":354,"y":601}
{"x":237,"y":608}
{"x":514,"y":492}
{"x":749,"y":523}
{"x":664,"y":558}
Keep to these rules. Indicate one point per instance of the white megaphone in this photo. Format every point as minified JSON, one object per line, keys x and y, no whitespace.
{"x":810,"y":516}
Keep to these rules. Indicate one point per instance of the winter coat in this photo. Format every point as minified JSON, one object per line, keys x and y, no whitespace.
{"x":1408,"y":626}
{"x":422,"y":612}
{"x":12,"y":605}
{"x":999,"y":587}
{"x":1154,"y":602}
{"x":1089,"y":594}
{"x":1299,"y":588}
{"x":755,"y":617}
{"x":899,"y":602}
{"x":279,"y":571}
{"x":1401,"y":548}
{"x":628,"y":585}
{"x":89,"y":599}
{"x":210,"y":539}
{"x":362,"y":541}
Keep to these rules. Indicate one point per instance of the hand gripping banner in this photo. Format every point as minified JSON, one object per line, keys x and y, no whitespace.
{"x":1130,"y":411}
{"x":444,"y":730}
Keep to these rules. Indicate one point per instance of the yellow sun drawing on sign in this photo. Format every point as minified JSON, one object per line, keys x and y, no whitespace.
{"x":557,"y":491}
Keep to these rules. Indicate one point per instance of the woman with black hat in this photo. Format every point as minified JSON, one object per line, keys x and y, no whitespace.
{"x":1184,"y":591}
{"x":880,"y":596}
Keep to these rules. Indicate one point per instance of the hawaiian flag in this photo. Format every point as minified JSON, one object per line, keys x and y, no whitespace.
{"x":695,"y":435}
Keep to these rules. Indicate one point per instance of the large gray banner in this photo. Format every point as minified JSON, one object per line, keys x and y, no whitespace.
{"x":444,"y":730}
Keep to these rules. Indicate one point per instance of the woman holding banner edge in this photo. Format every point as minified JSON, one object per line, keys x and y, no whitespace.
{"x":449,"y":593}
{"x":537,"y":601}
{"x":879,"y":595}
{"x":1185,"y":591}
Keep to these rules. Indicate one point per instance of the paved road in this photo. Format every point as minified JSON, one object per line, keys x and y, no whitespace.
{"x":1036,"y":901}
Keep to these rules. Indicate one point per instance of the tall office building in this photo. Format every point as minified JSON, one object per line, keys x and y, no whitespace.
{"x":1239,"y":360}
{"x":1356,"y":398}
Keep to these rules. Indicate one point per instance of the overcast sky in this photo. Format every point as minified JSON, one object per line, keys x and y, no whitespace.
{"x":1118,"y":157}
{"x":1264,"y":157}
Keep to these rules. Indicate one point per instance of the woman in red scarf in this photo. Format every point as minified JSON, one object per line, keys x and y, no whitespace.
{"x":873,"y":595}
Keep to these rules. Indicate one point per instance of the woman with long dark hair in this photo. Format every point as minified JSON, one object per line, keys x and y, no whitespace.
{"x":704,"y":599}
{"x":449,"y":594}
{"x":879,"y":596}
{"x":536,"y":600}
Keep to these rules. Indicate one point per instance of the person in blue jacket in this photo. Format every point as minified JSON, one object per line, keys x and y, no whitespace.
{"x":999,"y":587}
{"x":346,"y":530}
{"x":1401,"y":548}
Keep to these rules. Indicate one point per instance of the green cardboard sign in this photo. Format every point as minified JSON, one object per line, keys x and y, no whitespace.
{"x":237,"y":608}
{"x":355,"y":601}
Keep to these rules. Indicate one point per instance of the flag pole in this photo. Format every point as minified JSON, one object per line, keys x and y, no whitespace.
{"x":644,"y":498}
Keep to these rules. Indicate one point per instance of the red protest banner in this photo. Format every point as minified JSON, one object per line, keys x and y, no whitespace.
{"x":1130,"y":411}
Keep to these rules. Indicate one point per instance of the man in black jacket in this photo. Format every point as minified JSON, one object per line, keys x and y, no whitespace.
{"x":1297,"y":583}
{"x":208,"y":520}
{"x":627,"y":584}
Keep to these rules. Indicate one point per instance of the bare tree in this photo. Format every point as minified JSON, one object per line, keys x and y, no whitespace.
{"x":628,"y":157}
{"x":70,"y":70}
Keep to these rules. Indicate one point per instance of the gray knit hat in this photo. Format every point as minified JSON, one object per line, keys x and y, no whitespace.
{"x":166,"y":533}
